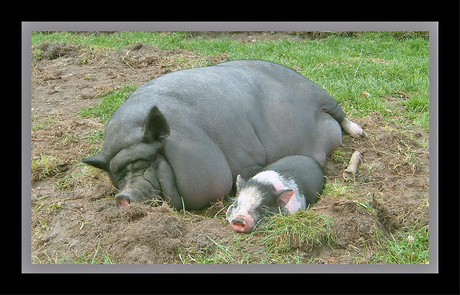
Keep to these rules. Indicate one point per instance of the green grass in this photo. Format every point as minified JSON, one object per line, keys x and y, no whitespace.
{"x":337,"y":188}
{"x":221,"y":254}
{"x":109,"y":104}
{"x":44,"y":166}
{"x":98,"y":257}
{"x":305,"y":230}
{"x":381,"y":64}
{"x":408,"y":248}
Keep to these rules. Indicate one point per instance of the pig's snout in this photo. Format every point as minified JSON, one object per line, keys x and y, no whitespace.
{"x":122,"y":200}
{"x":242,"y":225}
{"x":136,"y":191}
{"x":239,"y":225}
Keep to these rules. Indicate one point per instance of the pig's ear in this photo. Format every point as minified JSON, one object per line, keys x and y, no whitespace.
{"x":285,"y":195}
{"x":155,"y":126}
{"x":240,"y":182}
{"x":98,"y":161}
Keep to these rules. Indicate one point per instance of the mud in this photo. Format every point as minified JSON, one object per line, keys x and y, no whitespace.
{"x":74,"y":217}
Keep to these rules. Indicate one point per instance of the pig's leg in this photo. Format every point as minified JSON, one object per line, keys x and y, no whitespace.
{"x":329,"y":138}
{"x":167,"y":183}
{"x":201,"y":171}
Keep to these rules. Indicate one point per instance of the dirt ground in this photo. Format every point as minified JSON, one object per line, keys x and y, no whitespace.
{"x":74,"y":217}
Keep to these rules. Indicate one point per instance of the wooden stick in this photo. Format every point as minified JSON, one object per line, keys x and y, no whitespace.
{"x":350,"y":173}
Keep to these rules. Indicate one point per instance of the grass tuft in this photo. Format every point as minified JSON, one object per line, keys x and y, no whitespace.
{"x":45,"y":166}
{"x":109,"y":104}
{"x":408,"y":248}
{"x":304,"y":230}
{"x":337,"y":188}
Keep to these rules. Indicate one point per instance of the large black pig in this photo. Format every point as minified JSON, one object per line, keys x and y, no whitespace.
{"x":185,"y":136}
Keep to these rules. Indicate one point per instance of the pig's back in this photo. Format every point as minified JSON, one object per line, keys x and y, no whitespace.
{"x":305,"y":171}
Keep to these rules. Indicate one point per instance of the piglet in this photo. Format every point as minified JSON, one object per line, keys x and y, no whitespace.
{"x":287,"y":185}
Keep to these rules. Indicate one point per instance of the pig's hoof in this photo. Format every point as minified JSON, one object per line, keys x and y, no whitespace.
{"x":352,"y":128}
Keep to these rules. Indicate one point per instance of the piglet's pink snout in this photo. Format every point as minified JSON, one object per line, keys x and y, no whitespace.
{"x":242,"y":224}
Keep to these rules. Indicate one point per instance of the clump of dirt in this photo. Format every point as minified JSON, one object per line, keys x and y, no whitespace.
{"x":148,"y":235}
{"x":353,"y":223}
{"x":51,"y":51}
{"x":74,"y":217}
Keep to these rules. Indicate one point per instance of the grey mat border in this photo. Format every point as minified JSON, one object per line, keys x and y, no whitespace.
{"x":28,"y":27}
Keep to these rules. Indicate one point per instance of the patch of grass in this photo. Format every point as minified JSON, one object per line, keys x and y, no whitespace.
{"x":340,"y":155}
{"x":44,"y":166}
{"x":405,"y":247}
{"x":337,"y":188}
{"x":242,"y":249}
{"x":43,"y":226}
{"x":56,"y":206}
{"x":80,"y":174}
{"x":96,"y":136}
{"x":305,"y":230}
{"x":233,"y":252}
{"x":223,"y":254}
{"x":345,"y":65}
{"x":408,"y":248}
{"x":43,"y":123}
{"x":109,"y":104}
{"x":98,"y":257}
{"x":65,"y":182}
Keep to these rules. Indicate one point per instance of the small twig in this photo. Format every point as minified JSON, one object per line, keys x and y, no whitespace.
{"x":350,"y":172}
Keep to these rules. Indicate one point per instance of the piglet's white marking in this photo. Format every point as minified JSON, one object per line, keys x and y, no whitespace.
{"x":246,"y":200}
{"x":271,"y":177}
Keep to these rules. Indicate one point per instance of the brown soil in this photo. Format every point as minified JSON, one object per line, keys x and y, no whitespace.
{"x":74,"y":217}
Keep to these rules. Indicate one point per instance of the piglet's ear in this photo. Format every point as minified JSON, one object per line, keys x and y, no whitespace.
{"x":155,"y":127}
{"x":285,"y":195}
{"x":240,"y":182}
